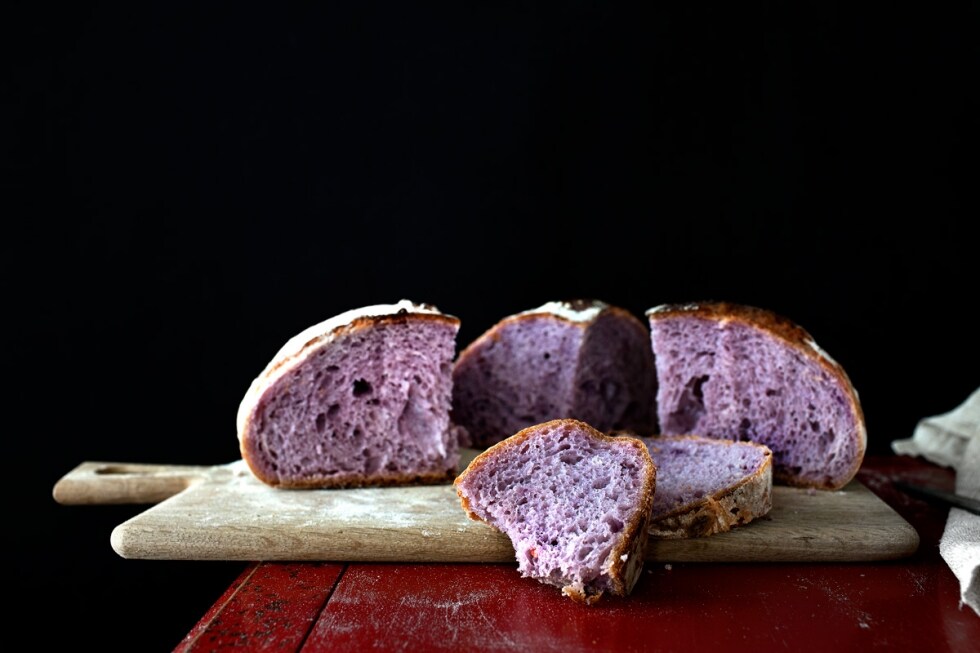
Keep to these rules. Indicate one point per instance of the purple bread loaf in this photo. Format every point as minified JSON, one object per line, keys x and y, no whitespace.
{"x":583,"y":360}
{"x":743,"y":373}
{"x":707,"y":486}
{"x":574,"y":502}
{"x":360,"y":399}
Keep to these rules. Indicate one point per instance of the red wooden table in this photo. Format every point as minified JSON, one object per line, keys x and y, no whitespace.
{"x":908,"y":605}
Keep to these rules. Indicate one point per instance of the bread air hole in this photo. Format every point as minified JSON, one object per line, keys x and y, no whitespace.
{"x":615,"y":525}
{"x":743,"y":429}
{"x":361,"y":388}
{"x":690,"y":406}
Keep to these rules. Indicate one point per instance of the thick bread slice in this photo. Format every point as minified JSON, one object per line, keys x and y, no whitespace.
{"x":574,"y":502}
{"x":707,"y":486}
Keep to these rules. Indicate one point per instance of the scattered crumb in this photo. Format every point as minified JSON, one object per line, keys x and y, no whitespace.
{"x":668,"y":566}
{"x":624,"y":557}
{"x":811,"y":492}
{"x":864,"y":625}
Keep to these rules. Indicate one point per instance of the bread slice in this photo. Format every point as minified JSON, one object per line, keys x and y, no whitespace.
{"x":574,"y":502}
{"x":707,"y":486}
{"x":743,"y":373}
{"x":360,"y":399}
{"x":583,"y":359}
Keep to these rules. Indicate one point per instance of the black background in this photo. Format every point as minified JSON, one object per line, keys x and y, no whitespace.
{"x":187,"y":187}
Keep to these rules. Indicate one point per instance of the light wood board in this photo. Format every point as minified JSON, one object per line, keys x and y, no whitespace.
{"x":224,"y":513}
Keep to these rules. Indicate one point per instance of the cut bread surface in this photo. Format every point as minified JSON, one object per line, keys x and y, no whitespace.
{"x":707,"y":486}
{"x":574,"y":502}
{"x":584,"y":360}
{"x":360,"y":399}
{"x":742,"y":373}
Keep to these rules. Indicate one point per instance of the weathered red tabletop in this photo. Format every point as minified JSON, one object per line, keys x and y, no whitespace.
{"x":909,"y":605}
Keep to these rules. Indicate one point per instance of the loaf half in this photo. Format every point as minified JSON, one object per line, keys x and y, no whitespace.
{"x":574,"y":502}
{"x":742,"y":373}
{"x":584,"y":360}
{"x":360,"y":399}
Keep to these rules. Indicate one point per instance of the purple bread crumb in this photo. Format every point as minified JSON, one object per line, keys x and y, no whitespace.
{"x":691,"y":468}
{"x":369,"y":406}
{"x":582,"y":360}
{"x":707,"y":486}
{"x":740,"y":373}
{"x":575,"y":504}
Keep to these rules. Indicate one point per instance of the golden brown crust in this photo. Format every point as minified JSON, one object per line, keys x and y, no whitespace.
{"x":622,"y":573}
{"x":798,"y":338}
{"x":759,"y":317}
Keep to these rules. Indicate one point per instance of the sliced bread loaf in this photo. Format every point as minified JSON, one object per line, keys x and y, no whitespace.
{"x":574,"y":502}
{"x":584,"y":360}
{"x":360,"y":399}
{"x":707,"y":486}
{"x":743,"y":373}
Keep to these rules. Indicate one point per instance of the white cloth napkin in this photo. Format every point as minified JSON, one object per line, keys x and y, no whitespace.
{"x":953,"y":440}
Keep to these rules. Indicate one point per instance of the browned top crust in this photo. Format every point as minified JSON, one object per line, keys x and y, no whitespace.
{"x":758,"y":317}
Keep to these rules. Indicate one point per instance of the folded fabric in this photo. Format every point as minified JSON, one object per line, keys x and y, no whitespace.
{"x":953,"y":440}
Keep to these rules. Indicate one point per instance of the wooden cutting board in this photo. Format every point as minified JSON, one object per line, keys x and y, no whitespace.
{"x":224,"y":513}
